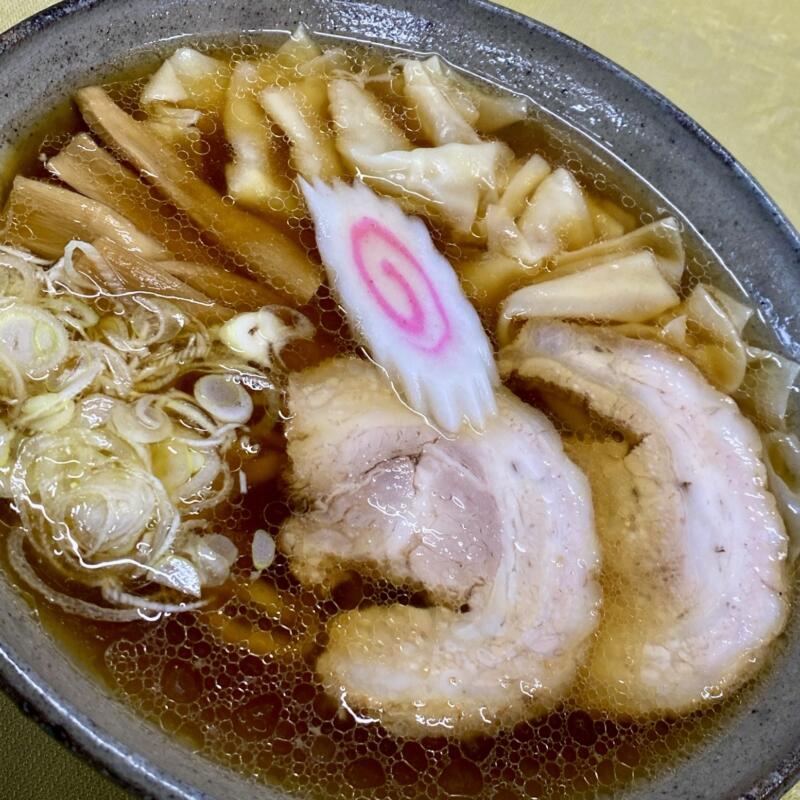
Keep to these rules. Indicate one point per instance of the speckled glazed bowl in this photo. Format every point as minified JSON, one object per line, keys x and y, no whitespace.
{"x":756,"y":753}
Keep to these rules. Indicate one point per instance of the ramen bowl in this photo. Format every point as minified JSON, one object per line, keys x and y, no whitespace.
{"x":607,"y":117}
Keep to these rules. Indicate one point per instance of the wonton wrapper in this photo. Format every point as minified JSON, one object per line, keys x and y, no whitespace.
{"x":767,"y":385}
{"x":631,"y":289}
{"x":662,"y":238}
{"x":363,"y":124}
{"x":706,"y":333}
{"x":706,"y":328}
{"x":189,"y":79}
{"x":504,"y":236}
{"x":486,"y":279}
{"x":782,"y":457}
{"x":485,"y":110}
{"x":605,"y":225}
{"x":300,"y":111}
{"x":299,"y":48}
{"x":254,"y":176}
{"x":514,"y":259}
{"x":175,"y":124}
{"x":450,"y":182}
{"x":557,"y":213}
{"x":445,"y":112}
{"x":523,"y":184}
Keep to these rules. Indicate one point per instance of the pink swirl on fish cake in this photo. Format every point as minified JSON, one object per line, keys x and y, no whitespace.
{"x":416,"y":324}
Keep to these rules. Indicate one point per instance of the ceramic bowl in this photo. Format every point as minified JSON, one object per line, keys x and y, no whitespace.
{"x":587,"y":102}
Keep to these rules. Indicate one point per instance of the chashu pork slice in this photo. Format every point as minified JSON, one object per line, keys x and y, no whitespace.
{"x":695,"y":579}
{"x":497,"y":527}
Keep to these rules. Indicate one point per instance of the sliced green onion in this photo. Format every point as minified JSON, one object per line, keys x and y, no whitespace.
{"x":178,"y":573}
{"x":263,"y":549}
{"x":46,"y":412}
{"x":223,"y":398}
{"x":143,"y":421}
{"x":213,"y":555}
{"x":35,"y":340}
{"x":259,"y":336}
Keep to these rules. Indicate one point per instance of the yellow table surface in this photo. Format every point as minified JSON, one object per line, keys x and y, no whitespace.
{"x":733,"y":65}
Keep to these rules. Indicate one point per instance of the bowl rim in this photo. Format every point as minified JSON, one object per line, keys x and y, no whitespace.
{"x":67,"y":724}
